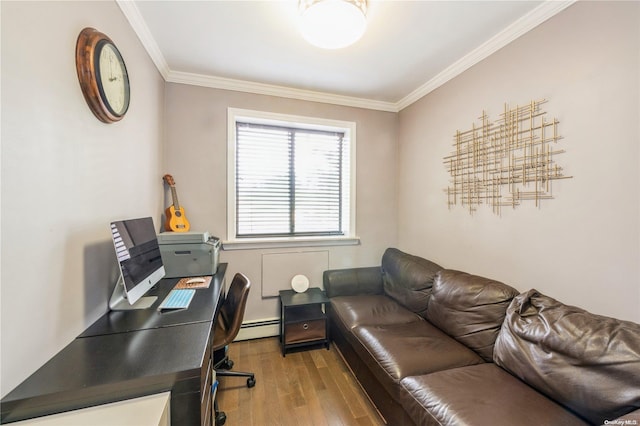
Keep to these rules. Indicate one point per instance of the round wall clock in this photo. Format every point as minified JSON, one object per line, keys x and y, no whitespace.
{"x":103,"y":75}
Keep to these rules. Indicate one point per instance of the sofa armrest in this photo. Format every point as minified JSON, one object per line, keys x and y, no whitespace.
{"x":352,"y":281}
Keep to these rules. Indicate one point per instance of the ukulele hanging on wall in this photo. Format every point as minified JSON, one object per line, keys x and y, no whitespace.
{"x":176,"y":220}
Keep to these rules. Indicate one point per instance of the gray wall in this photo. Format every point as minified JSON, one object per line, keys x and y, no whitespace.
{"x":65,"y":176}
{"x":196,"y":149}
{"x":583,"y":247}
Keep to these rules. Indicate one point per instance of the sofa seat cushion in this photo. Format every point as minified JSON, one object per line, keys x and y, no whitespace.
{"x":483,"y":395}
{"x":395,"y":351}
{"x":370,"y":309}
{"x":469,"y":308}
{"x":587,"y":362}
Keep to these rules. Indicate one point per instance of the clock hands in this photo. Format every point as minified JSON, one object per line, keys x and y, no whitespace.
{"x":111,"y":78}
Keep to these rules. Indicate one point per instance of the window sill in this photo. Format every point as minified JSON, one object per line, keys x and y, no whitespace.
{"x":253,"y":244}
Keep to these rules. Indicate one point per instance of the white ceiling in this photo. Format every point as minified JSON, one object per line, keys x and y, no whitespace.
{"x":409,"y":48}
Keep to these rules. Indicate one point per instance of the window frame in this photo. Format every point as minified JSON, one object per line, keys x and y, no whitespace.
{"x":304,"y":122}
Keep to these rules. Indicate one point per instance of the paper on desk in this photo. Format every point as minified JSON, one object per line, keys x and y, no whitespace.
{"x":183,"y":283}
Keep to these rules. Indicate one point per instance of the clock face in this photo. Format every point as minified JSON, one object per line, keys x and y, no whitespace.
{"x":113,"y":81}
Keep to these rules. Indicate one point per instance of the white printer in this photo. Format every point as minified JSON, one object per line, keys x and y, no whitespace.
{"x":189,"y":254}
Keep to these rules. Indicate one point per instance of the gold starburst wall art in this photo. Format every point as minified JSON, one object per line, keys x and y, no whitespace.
{"x":505,"y":162}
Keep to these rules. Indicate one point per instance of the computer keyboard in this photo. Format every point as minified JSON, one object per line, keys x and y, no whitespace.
{"x":177,"y":299}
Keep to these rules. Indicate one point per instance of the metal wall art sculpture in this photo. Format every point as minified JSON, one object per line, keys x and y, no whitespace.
{"x":505,"y":162}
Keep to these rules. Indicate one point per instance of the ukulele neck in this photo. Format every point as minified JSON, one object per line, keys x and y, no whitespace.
{"x":174,"y":196}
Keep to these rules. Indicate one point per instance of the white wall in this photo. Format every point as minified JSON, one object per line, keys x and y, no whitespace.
{"x":196,"y":149}
{"x":65,"y":176}
{"x":583,"y":247}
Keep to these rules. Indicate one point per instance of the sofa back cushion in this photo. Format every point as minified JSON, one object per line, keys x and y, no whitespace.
{"x":469,"y":308}
{"x":586,"y":362}
{"x":408,"y":279}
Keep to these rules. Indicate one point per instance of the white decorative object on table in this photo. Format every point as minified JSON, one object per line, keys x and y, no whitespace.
{"x":300,"y":283}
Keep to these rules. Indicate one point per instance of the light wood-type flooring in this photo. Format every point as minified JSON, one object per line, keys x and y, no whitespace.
{"x":311,"y":387}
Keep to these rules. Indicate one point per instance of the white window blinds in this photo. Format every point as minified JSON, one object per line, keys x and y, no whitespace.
{"x":290,"y":181}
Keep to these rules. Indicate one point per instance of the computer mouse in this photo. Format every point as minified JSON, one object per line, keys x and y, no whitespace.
{"x":195,"y":280}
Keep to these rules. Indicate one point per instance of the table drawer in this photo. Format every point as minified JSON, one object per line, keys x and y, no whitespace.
{"x":205,"y":370}
{"x":305,"y":331}
{"x":207,"y":402}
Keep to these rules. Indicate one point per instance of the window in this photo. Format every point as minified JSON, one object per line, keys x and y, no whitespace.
{"x":290,"y":178}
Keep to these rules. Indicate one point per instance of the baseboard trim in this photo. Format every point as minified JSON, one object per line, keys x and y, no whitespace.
{"x":258,"y":329}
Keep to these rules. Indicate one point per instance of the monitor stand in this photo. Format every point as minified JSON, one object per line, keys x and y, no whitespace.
{"x":119,"y":302}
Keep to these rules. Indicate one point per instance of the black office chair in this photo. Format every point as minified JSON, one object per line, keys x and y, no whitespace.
{"x":226,"y":329}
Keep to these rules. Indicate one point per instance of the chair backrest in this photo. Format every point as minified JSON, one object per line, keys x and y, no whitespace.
{"x":232,"y":309}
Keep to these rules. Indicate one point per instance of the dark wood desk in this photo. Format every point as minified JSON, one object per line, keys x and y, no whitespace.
{"x":131,"y":354}
{"x":202,"y":309}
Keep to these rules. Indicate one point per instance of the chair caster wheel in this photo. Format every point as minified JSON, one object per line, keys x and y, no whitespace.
{"x":227,"y":365}
{"x":221,"y":418}
{"x":251,"y":382}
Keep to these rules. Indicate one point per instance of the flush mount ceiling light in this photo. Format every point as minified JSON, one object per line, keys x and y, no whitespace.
{"x":332,"y":24}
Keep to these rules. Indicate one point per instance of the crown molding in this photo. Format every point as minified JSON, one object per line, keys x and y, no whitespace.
{"x":275,"y":90}
{"x":523,"y":25}
{"x":132,"y":13}
{"x":137,"y":22}
{"x":526,"y":23}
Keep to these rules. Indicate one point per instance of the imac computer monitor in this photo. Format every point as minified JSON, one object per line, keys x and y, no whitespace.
{"x":140,"y":263}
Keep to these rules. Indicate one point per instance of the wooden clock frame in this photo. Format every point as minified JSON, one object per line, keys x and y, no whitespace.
{"x":88,"y":47}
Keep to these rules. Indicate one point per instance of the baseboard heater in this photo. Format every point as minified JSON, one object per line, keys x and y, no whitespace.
{"x":259,"y":328}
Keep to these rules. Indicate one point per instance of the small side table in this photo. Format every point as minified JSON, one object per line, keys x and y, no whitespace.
{"x":303,"y":321}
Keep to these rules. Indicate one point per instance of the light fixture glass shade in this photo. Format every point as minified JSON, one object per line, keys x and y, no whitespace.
{"x":332,"y":24}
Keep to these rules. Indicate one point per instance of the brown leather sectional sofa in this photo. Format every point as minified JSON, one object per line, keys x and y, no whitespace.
{"x":432,"y":346}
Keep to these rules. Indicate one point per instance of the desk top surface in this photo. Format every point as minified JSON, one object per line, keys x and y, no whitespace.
{"x":202,"y":309}
{"x":123,"y":355}
{"x":99,"y":369}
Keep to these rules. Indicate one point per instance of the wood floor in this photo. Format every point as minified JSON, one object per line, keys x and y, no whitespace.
{"x":312,"y":387}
